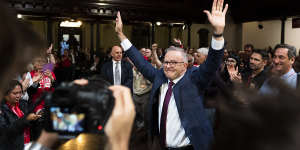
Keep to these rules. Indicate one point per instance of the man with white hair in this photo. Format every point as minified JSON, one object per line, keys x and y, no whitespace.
{"x":200,"y":56}
{"x":176,"y":114}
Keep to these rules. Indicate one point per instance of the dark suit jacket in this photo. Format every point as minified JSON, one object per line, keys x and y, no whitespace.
{"x":188,"y":94}
{"x":126,"y":73}
{"x":12,"y":127}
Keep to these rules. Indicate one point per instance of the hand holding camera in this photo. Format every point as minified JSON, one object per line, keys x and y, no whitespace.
{"x":89,"y":107}
{"x":119,"y":125}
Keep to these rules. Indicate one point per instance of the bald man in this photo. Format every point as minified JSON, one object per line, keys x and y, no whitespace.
{"x":117,"y":71}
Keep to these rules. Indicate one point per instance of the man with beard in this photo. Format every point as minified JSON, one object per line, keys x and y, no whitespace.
{"x":257,"y":62}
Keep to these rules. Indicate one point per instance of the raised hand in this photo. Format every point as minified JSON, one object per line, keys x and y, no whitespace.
{"x":119,"y":24}
{"x":119,"y":27}
{"x":49,"y":74}
{"x":25,"y":84}
{"x":154,"y":47}
{"x":217,"y":16}
{"x":37,"y":77}
{"x":49,"y":50}
{"x":177,"y":41}
{"x":234,"y":73}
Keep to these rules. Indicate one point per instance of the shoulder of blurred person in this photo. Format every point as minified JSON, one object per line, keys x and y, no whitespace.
{"x":14,"y":36}
{"x":259,"y":122}
{"x":297,"y":64}
{"x":16,"y":51}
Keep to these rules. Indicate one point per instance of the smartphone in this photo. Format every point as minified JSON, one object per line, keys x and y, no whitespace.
{"x":48,"y":67}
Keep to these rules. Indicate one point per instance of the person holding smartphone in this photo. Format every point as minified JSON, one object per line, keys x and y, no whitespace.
{"x":46,"y":82}
{"x":14,"y":108}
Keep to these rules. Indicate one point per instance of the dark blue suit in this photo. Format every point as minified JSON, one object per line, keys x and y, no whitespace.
{"x":126,"y":73}
{"x":188,"y":94}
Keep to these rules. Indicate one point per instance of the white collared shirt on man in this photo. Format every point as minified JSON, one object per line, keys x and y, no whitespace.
{"x":290,"y":78}
{"x":175,"y":134}
{"x":114,"y":68}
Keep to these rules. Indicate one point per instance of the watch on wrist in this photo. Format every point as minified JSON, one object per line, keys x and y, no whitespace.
{"x":217,"y":35}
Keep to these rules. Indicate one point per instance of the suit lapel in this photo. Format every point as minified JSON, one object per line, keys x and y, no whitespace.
{"x":111,"y":72}
{"x":157,"y":84}
{"x":122,"y":72}
{"x":178,"y":88}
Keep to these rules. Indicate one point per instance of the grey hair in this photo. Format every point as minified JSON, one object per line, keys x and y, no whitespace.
{"x":177,"y":49}
{"x":203,"y":50}
{"x":291,"y":49}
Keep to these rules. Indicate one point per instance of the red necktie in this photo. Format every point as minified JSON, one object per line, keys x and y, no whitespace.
{"x":163,"y":118}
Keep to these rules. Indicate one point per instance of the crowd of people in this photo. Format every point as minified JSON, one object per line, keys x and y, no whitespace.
{"x":176,"y":98}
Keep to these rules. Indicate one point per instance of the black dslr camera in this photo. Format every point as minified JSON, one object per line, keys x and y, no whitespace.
{"x":73,"y":109}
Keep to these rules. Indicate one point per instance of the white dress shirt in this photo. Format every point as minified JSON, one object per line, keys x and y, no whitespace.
{"x":175,"y":134}
{"x":114,"y":66}
{"x":290,"y":78}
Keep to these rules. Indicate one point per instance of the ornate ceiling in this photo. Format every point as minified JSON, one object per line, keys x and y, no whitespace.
{"x":155,"y":10}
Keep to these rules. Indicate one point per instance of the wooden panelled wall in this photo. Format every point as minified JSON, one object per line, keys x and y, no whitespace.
{"x":108,"y":38}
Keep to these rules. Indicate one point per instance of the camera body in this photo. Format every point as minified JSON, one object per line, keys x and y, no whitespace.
{"x":73,"y":109}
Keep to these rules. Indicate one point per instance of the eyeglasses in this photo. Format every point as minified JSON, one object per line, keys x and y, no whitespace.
{"x":171,"y":63}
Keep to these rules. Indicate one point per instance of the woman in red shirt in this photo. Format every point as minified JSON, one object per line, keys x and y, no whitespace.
{"x":46,"y":82}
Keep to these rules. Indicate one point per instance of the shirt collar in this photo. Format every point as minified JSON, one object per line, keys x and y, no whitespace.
{"x":288,"y":74}
{"x":177,"y":79}
{"x":114,"y":62}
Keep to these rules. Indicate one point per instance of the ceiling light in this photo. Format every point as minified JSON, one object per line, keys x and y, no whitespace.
{"x":19,"y":16}
{"x":158,"y":23}
{"x":74,"y":24}
{"x":101,"y":11}
{"x":102,"y":4}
